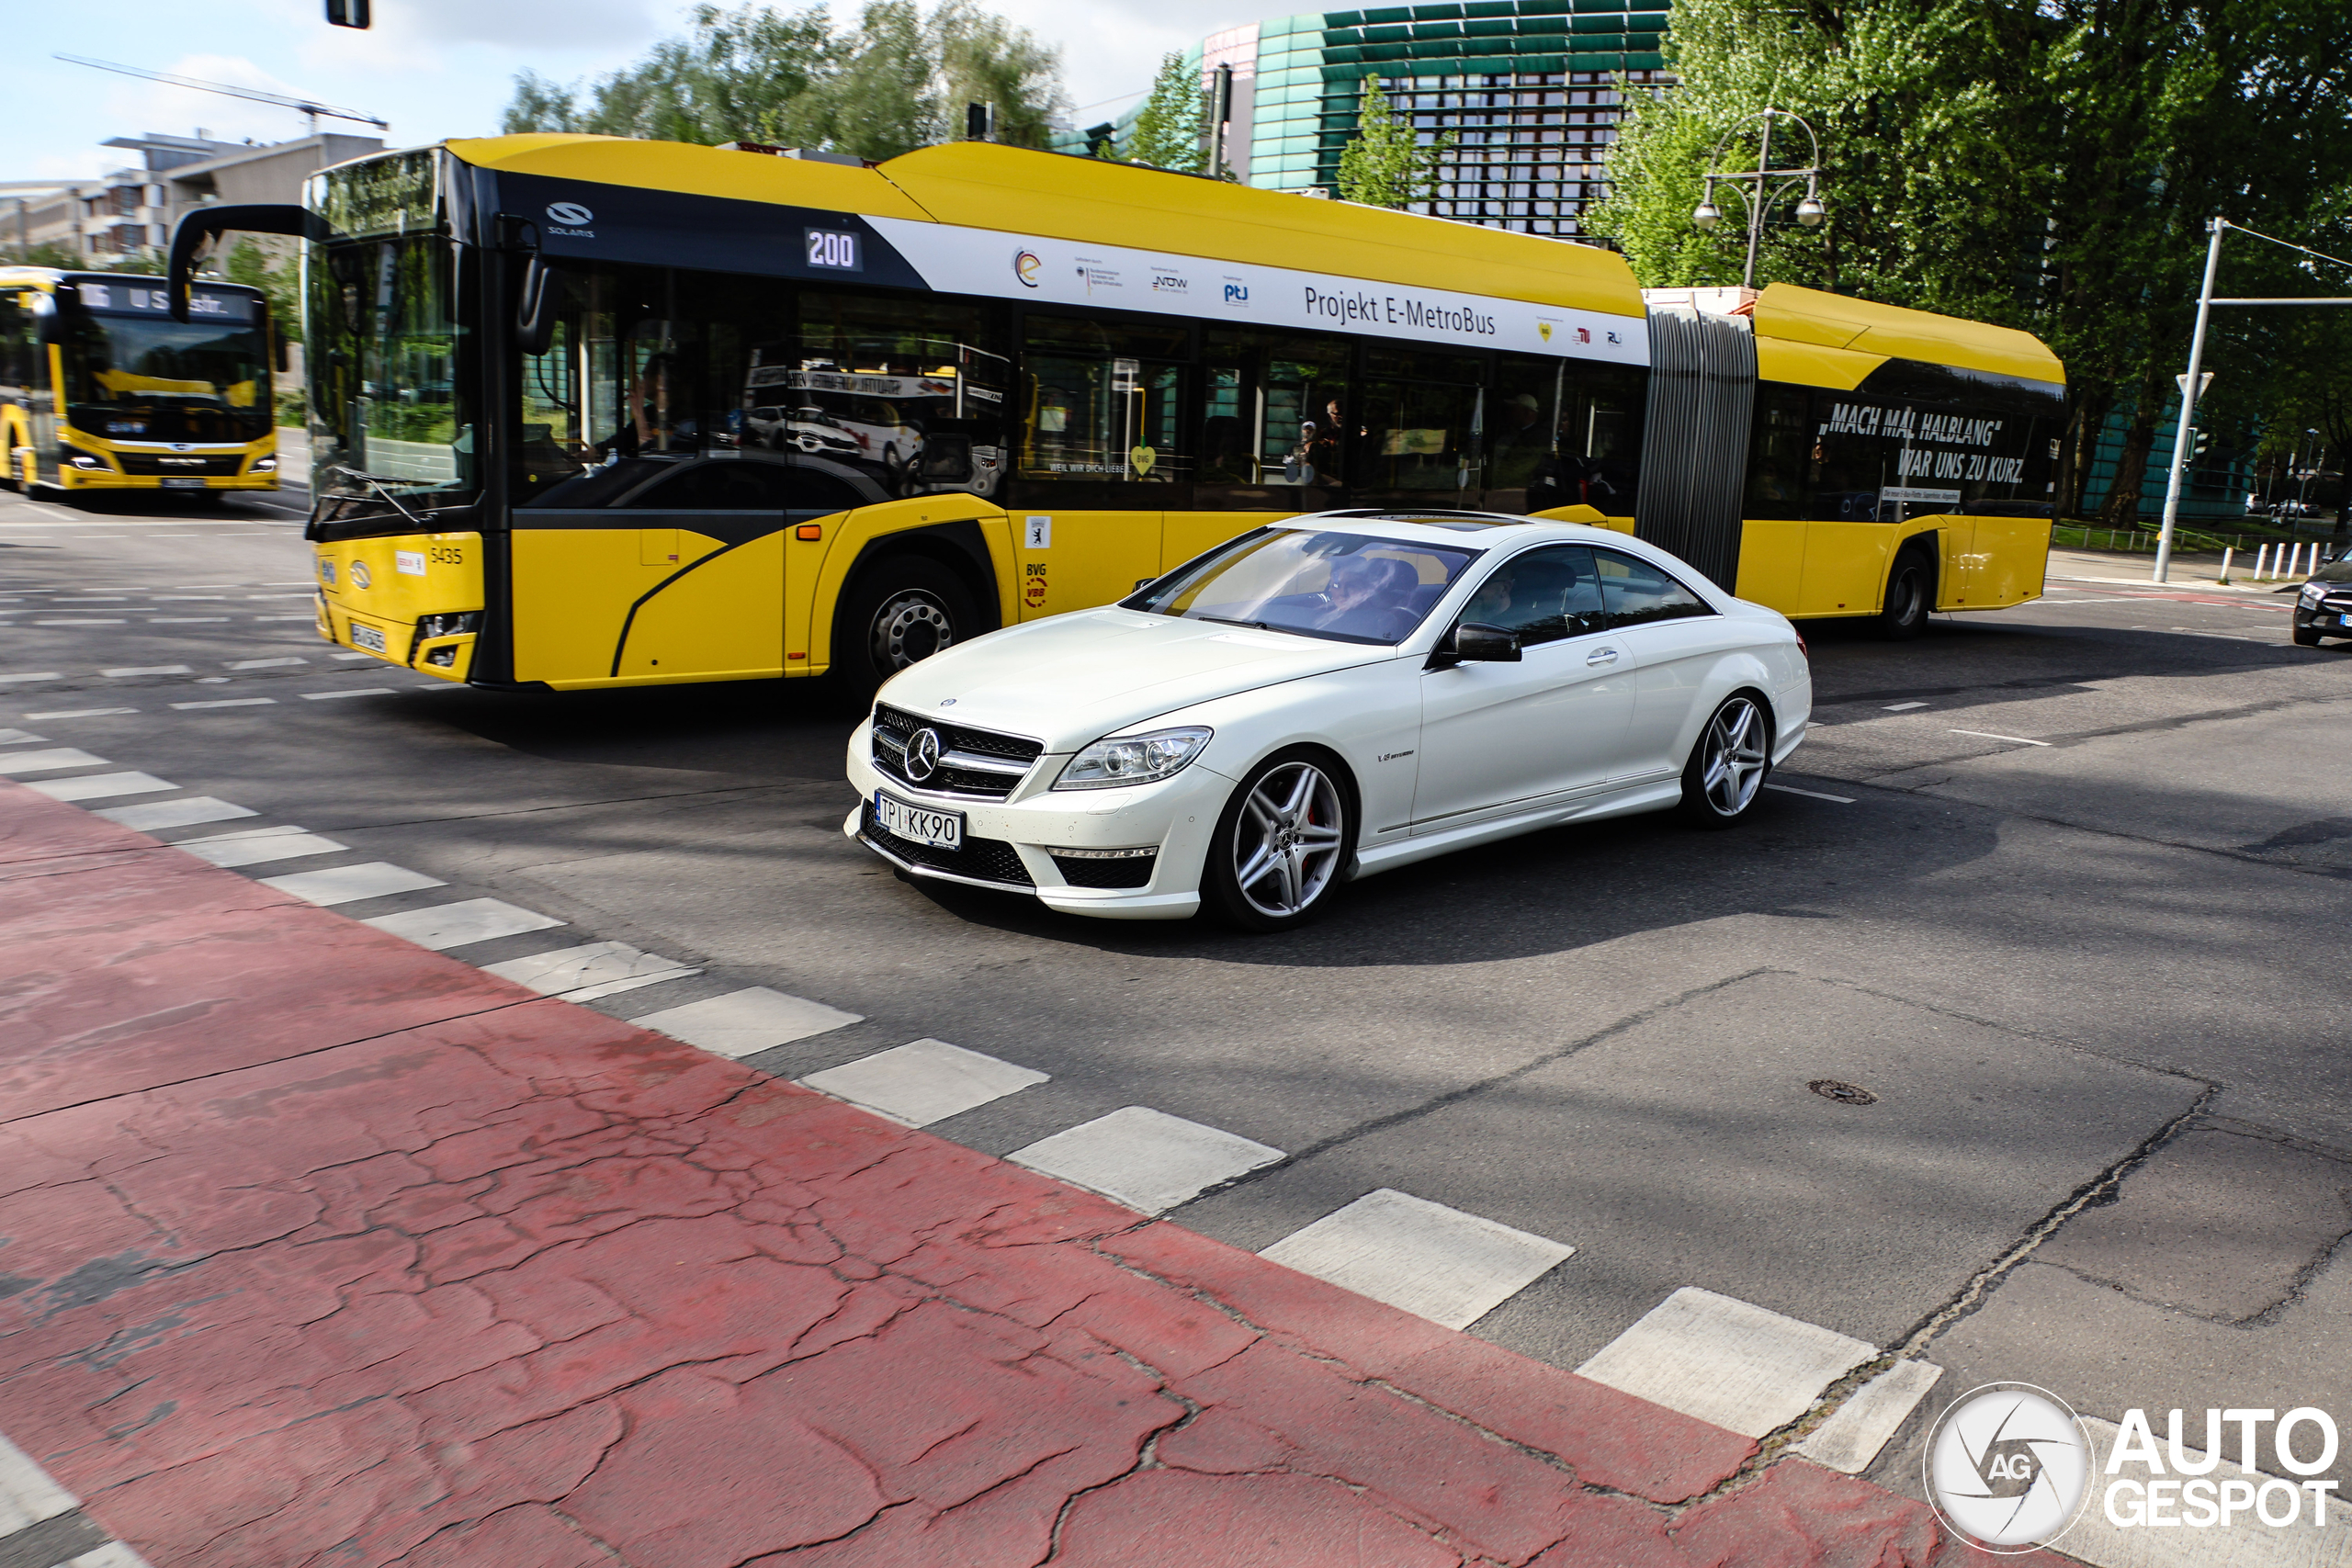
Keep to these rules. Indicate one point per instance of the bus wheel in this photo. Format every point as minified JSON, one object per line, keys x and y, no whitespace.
{"x":1910,"y":596}
{"x":903,"y":610}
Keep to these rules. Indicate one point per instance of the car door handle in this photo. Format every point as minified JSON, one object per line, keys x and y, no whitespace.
{"x":1602,"y":656}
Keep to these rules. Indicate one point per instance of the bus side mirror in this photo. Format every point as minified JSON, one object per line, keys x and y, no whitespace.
{"x":281,"y":352}
{"x":47,"y":327}
{"x":535,"y":310}
{"x":347,"y":13}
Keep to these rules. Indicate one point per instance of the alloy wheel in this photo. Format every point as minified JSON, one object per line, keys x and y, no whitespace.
{"x":1286,"y":844}
{"x":1733,"y":769}
{"x":911,"y":625}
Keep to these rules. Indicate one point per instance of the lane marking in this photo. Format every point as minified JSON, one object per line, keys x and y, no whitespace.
{"x":1987,"y":735}
{"x":350,"y":656}
{"x":444,"y":925}
{"x":349,"y":884}
{"x":743,"y":1022}
{"x":1813,"y":794}
{"x":1725,"y":1361}
{"x":228,"y":702}
{"x":1146,"y":1158}
{"x":357,"y":692}
{"x":97,"y":786}
{"x":924,"y":1082}
{"x":306,"y":618}
{"x":19,"y":736}
{"x":156,"y":814}
{"x":1438,"y":1263}
{"x":126,"y":673}
{"x":1900,"y":708}
{"x":183,"y":620}
{"x":1859,"y":1429}
{"x":80,"y":713}
{"x":81,"y":623}
{"x":266,"y":663}
{"x":45,"y":675}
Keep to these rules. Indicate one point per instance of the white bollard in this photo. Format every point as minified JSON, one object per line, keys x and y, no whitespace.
{"x":2295,"y":563}
{"x":2262,"y":564}
{"x":2226,"y":553}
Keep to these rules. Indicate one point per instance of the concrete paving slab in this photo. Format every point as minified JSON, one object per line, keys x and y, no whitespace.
{"x":154,"y":815}
{"x":1850,"y":1439}
{"x":101,"y":787}
{"x":462,"y":924}
{"x":1146,"y":1158}
{"x":1727,"y":1362}
{"x":924,"y":1082}
{"x":584,"y":973}
{"x":350,"y":884}
{"x":258,"y":849}
{"x":743,"y":1022}
{"x":1424,"y":1257}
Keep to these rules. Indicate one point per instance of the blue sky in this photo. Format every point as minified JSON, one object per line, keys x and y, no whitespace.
{"x":433,"y":68}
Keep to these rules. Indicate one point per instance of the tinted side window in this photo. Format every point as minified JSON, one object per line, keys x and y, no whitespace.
{"x":734,"y":484}
{"x":1637,"y":592}
{"x":813,"y":491}
{"x":1544,"y":595}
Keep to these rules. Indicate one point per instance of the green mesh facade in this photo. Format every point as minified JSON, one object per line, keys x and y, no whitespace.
{"x":1529,"y":87}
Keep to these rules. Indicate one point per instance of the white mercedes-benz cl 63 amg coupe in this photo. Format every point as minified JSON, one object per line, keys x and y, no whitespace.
{"x":1330,"y":696}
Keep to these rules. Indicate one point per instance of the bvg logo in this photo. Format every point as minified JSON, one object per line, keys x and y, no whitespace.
{"x":1025,"y":267}
{"x":2008,"y":1467}
{"x":570,"y":212}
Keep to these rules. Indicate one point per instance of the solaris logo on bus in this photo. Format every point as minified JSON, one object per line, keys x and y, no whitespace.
{"x":2008,"y":1467}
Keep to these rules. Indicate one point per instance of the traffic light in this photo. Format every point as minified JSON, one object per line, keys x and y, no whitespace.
{"x":347,"y":13}
{"x":2197,"y":441}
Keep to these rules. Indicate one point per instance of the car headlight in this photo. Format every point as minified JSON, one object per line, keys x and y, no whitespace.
{"x":2314,"y":591}
{"x":1118,"y":760}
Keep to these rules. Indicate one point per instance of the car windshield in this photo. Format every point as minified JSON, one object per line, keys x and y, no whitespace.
{"x":1346,"y":587}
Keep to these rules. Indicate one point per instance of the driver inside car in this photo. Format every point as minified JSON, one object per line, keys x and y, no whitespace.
{"x":1371,"y":597}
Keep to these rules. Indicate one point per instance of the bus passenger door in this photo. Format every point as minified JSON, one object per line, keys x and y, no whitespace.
{"x":1076,"y":561}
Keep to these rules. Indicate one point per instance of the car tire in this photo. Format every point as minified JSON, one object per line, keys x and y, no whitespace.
{"x":901,"y":610}
{"x":2304,"y":637}
{"x":1729,"y":762}
{"x":1292,"y":818}
{"x":1910,"y":596}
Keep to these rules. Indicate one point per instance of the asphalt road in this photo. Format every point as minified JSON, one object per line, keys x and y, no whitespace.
{"x":2066,"y":895}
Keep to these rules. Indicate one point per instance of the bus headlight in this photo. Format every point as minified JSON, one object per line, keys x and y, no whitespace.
{"x":84,"y":460}
{"x":264,"y":465}
{"x":1134,"y":759}
{"x":432,"y":626}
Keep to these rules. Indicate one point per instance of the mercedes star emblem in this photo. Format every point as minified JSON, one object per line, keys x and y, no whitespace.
{"x":923,"y":755}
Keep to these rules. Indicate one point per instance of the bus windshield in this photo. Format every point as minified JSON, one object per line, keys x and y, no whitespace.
{"x":391,"y":405}
{"x":143,"y":379}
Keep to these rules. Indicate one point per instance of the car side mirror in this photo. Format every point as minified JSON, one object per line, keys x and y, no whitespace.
{"x":1477,"y":643}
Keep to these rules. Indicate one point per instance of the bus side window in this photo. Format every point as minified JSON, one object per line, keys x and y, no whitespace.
{"x":1276,"y":412}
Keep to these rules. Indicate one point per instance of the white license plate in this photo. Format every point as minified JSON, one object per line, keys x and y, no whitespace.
{"x":367,"y":638}
{"x":943,"y":829}
{"x":172,"y":483}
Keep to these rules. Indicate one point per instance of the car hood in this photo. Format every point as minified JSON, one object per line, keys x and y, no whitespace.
{"x":1074,"y":678}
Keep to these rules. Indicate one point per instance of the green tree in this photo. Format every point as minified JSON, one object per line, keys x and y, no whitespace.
{"x":49,"y":253}
{"x":1387,"y":165}
{"x":2049,"y":167}
{"x":1171,"y":132}
{"x":897,"y":80}
{"x":277,"y":277}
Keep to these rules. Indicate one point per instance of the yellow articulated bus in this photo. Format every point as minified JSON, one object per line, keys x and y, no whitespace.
{"x":102,"y":390}
{"x":595,"y":412}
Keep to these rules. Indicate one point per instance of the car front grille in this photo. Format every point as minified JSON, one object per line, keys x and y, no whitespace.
{"x":183,"y":467}
{"x":1127,"y":871}
{"x":980,"y":764}
{"x":983,"y":859}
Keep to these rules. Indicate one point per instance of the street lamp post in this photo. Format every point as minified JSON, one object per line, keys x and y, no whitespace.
{"x":2303,"y":495}
{"x":1761,"y":187}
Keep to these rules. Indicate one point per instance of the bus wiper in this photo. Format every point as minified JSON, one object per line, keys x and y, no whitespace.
{"x":378,"y":482}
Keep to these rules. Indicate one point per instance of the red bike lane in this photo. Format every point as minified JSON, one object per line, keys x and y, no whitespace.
{"x":316,"y":1246}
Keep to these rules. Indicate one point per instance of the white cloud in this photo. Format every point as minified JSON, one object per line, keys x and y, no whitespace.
{"x":1114,"y":47}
